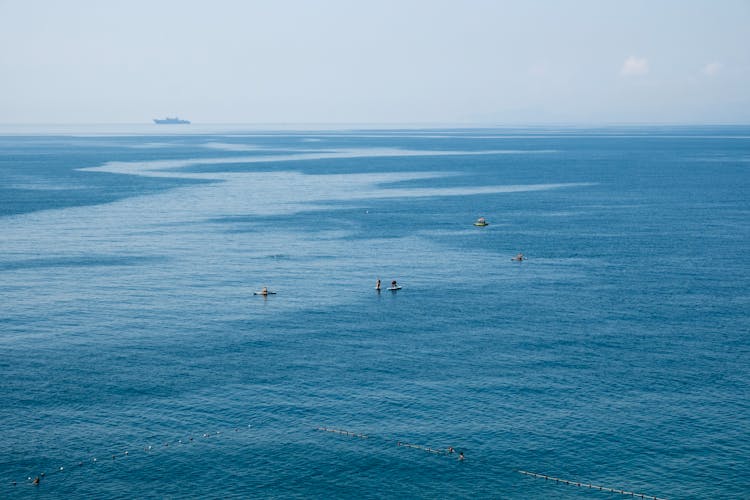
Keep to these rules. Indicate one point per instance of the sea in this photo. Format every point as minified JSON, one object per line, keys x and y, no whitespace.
{"x":138,"y":363}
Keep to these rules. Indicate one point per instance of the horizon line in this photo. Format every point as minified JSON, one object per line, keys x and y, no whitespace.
{"x":400,"y":123}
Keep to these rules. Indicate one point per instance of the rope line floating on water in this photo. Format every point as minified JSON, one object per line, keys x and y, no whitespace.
{"x":437,"y":451}
{"x":423,"y":448}
{"x":149,"y":450}
{"x":588,"y":485}
{"x":339,"y":431}
{"x":450,"y":451}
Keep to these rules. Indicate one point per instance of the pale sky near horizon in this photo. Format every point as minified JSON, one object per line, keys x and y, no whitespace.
{"x":408,"y":61}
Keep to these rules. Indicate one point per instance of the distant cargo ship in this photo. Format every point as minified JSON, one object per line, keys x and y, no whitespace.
{"x":171,"y":121}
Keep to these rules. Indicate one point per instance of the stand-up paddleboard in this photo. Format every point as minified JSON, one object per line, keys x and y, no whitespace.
{"x":394,"y":288}
{"x":261,"y":293}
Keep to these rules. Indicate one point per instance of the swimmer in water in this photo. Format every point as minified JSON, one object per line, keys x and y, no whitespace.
{"x":36,"y":481}
{"x":394,"y":284}
{"x":377,"y":285}
{"x":460,"y":455}
{"x":451,"y":450}
{"x":519,"y":257}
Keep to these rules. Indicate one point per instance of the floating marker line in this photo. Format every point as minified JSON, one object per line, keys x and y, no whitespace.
{"x":450,"y":451}
{"x":588,"y":485}
{"x":345,"y":433}
{"x":38,"y":478}
{"x":423,"y":448}
{"x":436,"y":451}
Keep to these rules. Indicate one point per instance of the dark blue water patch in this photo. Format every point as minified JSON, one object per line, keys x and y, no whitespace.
{"x":53,"y":180}
{"x":91,"y":189}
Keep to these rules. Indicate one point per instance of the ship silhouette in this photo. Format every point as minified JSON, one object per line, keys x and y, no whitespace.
{"x":171,"y":121}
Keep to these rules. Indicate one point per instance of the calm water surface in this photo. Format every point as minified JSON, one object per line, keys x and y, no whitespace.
{"x":617,"y":354}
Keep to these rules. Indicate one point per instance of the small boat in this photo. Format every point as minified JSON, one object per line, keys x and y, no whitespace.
{"x":481,"y":222}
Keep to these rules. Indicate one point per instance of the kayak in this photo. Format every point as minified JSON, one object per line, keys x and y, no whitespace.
{"x":261,"y":293}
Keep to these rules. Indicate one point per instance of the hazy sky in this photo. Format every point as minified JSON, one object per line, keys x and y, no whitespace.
{"x":462,"y":61}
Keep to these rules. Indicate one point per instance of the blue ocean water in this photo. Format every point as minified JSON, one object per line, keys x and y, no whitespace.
{"x":617,"y":354}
